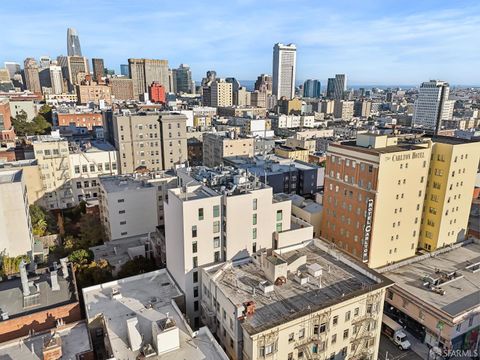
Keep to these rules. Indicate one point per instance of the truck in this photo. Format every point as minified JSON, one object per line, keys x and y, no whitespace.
{"x":394,"y":331}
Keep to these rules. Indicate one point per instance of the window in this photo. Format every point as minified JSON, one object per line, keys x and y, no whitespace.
{"x":123,"y":222}
{"x":254,"y":233}
{"x":195,"y":305}
{"x":195,"y":276}
{"x":121,"y":211}
{"x":291,"y":337}
{"x":92,"y":168}
{"x":216,"y":227}
{"x":390,"y":294}
{"x":216,"y":242}
{"x":194,"y":231}
{"x":195,"y":261}
{"x":334,"y":338}
{"x":77,"y":169}
{"x":216,"y":211}
{"x":301,"y":334}
{"x":323,"y":328}
{"x":121,"y":200}
{"x":254,"y":204}
{"x":194,"y":247}
{"x":216,"y":256}
{"x":200,"y":214}
{"x":84,"y":168}
{"x":356,"y":312}
{"x":345,"y":334}
{"x":458,"y":328}
{"x":347,"y":316}
{"x":279,"y":215}
{"x":79,"y":185}
{"x":279,"y":227}
{"x":254,"y":220}
{"x":335,"y":320}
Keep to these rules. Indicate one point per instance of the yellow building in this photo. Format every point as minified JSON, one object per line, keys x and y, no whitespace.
{"x":293,"y":106}
{"x":294,"y":153}
{"x":453,"y":167}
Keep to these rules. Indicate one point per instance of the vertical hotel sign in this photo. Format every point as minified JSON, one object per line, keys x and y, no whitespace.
{"x":367,"y":231}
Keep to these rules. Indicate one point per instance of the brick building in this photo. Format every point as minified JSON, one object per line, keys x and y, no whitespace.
{"x":88,"y":120}
{"x":157,"y":92}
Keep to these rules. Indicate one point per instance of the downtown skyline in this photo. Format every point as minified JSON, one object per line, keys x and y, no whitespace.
{"x":375,"y":44}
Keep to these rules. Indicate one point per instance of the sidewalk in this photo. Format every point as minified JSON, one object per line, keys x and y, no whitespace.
{"x":417,"y":347}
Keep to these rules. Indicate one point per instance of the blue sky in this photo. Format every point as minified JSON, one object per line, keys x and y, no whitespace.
{"x":373,"y":42}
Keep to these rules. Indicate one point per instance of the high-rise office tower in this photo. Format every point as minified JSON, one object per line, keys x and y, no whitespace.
{"x":340,"y":86}
{"x":45,"y":62}
{"x":124,"y":70}
{"x":98,"y":69}
{"x":330,"y":88}
{"x":144,"y":72}
{"x":432,"y":105}
{"x":311,"y":89}
{"x":284,"y":68}
{"x":32,"y":79}
{"x":264,"y":83}
{"x":73,"y":43}
{"x":56,"y":79}
{"x":183,"y":79}
{"x":207,"y":81}
{"x":13,"y":68}
{"x":74,"y":69}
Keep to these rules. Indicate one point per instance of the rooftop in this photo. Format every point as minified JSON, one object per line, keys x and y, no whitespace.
{"x":90,"y":147}
{"x":383,"y":150}
{"x":337,"y":282}
{"x":113,"y":184}
{"x":454,"y":271}
{"x":150,"y":299}
{"x":74,"y":339}
{"x":41,"y":296}
{"x":10,"y":176}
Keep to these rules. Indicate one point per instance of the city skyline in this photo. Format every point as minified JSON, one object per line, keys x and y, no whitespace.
{"x":374,"y":43}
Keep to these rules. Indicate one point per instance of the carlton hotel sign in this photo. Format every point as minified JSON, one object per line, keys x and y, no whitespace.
{"x":367,"y":231}
{"x":406,"y":156}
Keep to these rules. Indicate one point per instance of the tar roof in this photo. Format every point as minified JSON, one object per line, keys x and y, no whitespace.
{"x":461,"y":294}
{"x":149,"y":298}
{"x":12,"y":300}
{"x":113,"y":184}
{"x":291,"y":300}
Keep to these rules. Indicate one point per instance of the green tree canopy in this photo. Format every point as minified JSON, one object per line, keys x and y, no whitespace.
{"x":137,"y":266}
{"x":23,"y":127}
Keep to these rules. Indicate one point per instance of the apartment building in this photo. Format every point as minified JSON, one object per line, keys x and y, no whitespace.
{"x":31,"y":177}
{"x":303,"y":301}
{"x":88,"y":161}
{"x":17,"y":238}
{"x":291,"y":121}
{"x":52,"y":154}
{"x":121,"y":88}
{"x":216,"y":146}
{"x":217,"y":215}
{"x":94,"y":93}
{"x":155,"y":141}
{"x":80,"y":119}
{"x":343,"y":109}
{"x":453,"y":169}
{"x":293,"y":153}
{"x":221,"y":93}
{"x":308,"y":144}
{"x":373,"y":196}
{"x":128,"y":207}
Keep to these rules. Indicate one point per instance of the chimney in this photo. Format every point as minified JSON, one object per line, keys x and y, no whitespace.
{"x":24,"y":278}
{"x":54,"y":280}
{"x":63,"y":262}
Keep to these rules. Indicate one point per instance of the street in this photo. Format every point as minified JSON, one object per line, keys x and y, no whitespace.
{"x":389,"y":351}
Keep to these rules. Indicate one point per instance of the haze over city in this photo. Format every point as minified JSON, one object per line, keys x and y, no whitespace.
{"x":377,"y":43}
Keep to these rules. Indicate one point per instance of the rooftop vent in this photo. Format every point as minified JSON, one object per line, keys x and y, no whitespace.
{"x":54,"y":281}
{"x":24,"y":277}
{"x":315,"y":270}
{"x":266,"y":286}
{"x":473,"y":267}
{"x":301,"y":278}
{"x":116,"y":294}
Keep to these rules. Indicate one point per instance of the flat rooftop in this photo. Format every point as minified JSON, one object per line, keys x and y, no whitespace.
{"x":10,"y":176}
{"x":120,"y":183}
{"x":461,"y":294}
{"x":292,"y":300}
{"x":149,"y":298}
{"x":41,"y":296}
{"x":75,"y":340}
{"x":381,"y":150}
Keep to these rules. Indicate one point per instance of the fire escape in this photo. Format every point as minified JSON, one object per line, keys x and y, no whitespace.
{"x":314,"y":347}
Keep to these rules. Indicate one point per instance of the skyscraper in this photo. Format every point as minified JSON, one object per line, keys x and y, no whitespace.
{"x":311,"y":88}
{"x":264,"y":83}
{"x":73,"y":43}
{"x":144,"y":72}
{"x":330,"y":88}
{"x":340,"y":86}
{"x":13,"y":68}
{"x":98,"y":68}
{"x":74,"y":69}
{"x":124,"y":70}
{"x":432,"y":105}
{"x":32,"y":79}
{"x":45,"y":62}
{"x":183,"y":79}
{"x":284,"y":68}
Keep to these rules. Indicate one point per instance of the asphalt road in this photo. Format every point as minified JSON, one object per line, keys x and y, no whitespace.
{"x":389,"y":351}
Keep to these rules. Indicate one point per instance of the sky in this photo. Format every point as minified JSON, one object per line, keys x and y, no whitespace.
{"x":382,"y":42}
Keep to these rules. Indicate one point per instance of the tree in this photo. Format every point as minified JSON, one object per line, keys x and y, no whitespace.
{"x":91,"y":231}
{"x":139,"y":265}
{"x":40,"y":227}
{"x":80,"y":256}
{"x":42,"y":220}
{"x":46,"y":112}
{"x":40,"y":125}
{"x":10,"y":265}
{"x":23,"y":127}
{"x":96,"y":272}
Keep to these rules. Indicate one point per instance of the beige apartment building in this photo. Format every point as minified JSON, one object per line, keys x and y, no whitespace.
{"x":303,"y":301}
{"x":31,"y":177}
{"x":216,"y":146}
{"x":121,"y":88}
{"x":343,"y":109}
{"x":93,"y":93}
{"x":304,"y":143}
{"x":52,"y":154}
{"x":373,"y":199}
{"x":214,"y":216}
{"x":16,"y":238}
{"x":453,"y":169}
{"x":221,"y":93}
{"x":155,"y":141}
